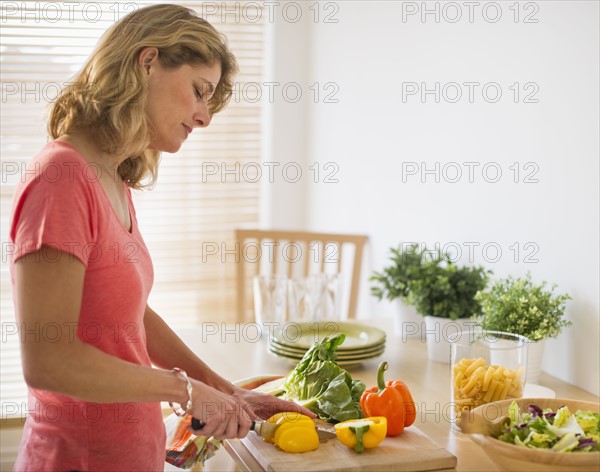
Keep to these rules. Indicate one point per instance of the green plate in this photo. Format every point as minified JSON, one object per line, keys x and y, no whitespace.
{"x":303,"y":335}
{"x":344,"y":363}
{"x":340,"y":356}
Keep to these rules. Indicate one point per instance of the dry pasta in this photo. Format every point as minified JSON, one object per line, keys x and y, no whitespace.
{"x":475,"y":383}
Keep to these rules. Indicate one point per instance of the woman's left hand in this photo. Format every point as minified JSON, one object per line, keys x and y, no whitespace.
{"x":264,"y":405}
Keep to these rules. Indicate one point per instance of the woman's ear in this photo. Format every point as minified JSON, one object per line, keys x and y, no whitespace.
{"x":147,"y":58}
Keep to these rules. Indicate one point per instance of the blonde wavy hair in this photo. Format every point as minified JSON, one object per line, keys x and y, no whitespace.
{"x":108,"y":95}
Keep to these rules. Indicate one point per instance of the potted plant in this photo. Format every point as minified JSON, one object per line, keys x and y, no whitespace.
{"x":436,"y":288}
{"x":444,"y":294}
{"x":392,"y":283}
{"x":518,"y":305}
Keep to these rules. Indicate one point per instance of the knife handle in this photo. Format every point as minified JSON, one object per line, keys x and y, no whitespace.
{"x":197,"y":424}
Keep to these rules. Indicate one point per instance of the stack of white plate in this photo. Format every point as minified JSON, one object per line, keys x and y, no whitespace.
{"x":361,"y":344}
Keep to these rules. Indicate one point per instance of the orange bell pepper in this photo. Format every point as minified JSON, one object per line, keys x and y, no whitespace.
{"x":393,"y":401}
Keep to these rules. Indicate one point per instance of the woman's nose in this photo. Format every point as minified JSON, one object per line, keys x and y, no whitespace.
{"x":202,"y":115}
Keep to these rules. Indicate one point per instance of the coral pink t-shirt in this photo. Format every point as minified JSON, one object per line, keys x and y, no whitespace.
{"x":61,"y":203}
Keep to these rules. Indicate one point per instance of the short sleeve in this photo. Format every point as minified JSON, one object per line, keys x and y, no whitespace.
{"x":55,"y":207}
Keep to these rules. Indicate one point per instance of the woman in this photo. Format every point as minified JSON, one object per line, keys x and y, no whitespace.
{"x":83,"y":270}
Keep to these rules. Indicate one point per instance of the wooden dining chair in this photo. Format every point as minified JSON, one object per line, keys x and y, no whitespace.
{"x":295,"y":254}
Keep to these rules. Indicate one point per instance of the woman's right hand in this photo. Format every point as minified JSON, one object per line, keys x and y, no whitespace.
{"x":224,"y":416}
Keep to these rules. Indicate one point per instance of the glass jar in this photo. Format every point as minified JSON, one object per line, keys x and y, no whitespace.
{"x":486,"y":366}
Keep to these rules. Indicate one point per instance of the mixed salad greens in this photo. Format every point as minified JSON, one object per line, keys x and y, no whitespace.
{"x":560,"y":431}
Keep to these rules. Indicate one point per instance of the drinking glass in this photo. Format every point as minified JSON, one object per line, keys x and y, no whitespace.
{"x":269,"y":301}
{"x":331,"y":300}
{"x":304,"y":298}
{"x":315,"y":298}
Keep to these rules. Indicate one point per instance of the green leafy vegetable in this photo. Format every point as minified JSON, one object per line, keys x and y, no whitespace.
{"x":562,"y":431}
{"x":588,"y":421}
{"x":321,"y":385}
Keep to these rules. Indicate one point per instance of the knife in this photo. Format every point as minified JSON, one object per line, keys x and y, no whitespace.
{"x":267,"y":430}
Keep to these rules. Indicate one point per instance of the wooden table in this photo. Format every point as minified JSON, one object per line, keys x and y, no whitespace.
{"x":235,"y":353}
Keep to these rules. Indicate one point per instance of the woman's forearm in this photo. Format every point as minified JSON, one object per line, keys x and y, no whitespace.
{"x":159,"y":335}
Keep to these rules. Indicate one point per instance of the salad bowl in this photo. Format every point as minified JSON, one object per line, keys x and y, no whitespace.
{"x":518,"y":458}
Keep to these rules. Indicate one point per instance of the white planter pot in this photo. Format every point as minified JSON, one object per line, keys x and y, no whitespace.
{"x":438,"y":332}
{"x":535,"y":355}
{"x":407,"y":322}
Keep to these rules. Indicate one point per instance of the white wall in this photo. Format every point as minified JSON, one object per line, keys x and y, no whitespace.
{"x":285,"y":146}
{"x":374,"y":133}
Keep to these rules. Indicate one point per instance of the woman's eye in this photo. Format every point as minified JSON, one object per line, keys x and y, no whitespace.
{"x":197,"y":93}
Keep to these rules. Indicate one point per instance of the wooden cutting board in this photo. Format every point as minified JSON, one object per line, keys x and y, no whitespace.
{"x":413,"y":450}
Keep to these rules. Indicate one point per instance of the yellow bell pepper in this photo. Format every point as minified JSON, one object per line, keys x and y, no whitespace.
{"x":362,"y":434}
{"x":295,"y":432}
{"x":288,"y":417}
{"x":297,"y":438}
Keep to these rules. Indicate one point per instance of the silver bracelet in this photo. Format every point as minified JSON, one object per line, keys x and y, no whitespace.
{"x":188,"y":406}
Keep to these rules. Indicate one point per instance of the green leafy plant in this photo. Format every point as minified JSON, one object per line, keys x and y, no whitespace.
{"x":518,"y":305}
{"x":431,"y":282}
{"x":447,"y":291}
{"x":392,"y":282}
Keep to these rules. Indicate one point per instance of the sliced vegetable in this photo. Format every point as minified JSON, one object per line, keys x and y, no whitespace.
{"x":561,"y":431}
{"x":298,"y":439}
{"x":287,"y":417}
{"x":393,"y":401}
{"x":295,"y":432}
{"x":362,"y":434}
{"x":359,"y":431}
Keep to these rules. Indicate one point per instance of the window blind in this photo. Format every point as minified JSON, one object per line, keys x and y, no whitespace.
{"x":201,"y":195}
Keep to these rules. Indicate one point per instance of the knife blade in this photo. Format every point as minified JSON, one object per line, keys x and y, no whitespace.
{"x":324,"y":434}
{"x":267,"y":430}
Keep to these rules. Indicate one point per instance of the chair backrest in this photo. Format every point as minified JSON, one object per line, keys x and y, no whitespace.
{"x":295,"y":254}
